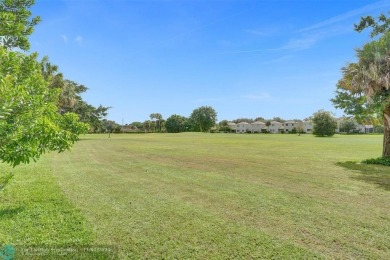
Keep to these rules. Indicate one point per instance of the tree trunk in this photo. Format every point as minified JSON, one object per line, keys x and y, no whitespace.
{"x":386,"y":135}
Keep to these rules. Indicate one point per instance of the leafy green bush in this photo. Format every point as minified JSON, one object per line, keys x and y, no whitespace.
{"x":383,"y":161}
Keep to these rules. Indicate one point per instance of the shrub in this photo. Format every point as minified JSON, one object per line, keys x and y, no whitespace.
{"x":324,"y":123}
{"x":381,"y":160}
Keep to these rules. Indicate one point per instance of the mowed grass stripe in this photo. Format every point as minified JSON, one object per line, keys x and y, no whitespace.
{"x":35,"y":212}
{"x":195,"y":195}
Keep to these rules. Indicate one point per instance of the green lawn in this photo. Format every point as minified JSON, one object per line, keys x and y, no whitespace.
{"x":205,"y":196}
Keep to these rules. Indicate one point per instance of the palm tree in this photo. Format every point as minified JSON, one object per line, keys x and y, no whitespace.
{"x":370,"y":76}
{"x":51,"y":74}
{"x":158,"y":118}
{"x":68,"y":96}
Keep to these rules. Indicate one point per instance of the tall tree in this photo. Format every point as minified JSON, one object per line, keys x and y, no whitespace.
{"x":204,"y":118}
{"x":158,"y":118}
{"x":91,"y":115}
{"x":365,"y":86}
{"x":16,"y":24}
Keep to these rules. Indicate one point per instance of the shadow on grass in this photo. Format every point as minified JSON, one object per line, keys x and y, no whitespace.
{"x":375,"y":174}
{"x":10,"y":212}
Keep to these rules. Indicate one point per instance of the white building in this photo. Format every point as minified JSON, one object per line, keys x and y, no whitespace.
{"x":308,"y":126}
{"x":243,"y":127}
{"x":289,"y":126}
{"x":276,"y":127}
{"x":258,"y":127}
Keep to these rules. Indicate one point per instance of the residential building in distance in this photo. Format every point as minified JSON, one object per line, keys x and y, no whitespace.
{"x":276,"y":127}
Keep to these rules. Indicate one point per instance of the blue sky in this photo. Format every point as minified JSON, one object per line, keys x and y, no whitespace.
{"x":244,"y":58}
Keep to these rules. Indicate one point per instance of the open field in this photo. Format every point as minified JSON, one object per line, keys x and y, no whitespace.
{"x":205,"y":196}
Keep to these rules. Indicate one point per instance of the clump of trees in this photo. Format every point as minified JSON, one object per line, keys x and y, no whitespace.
{"x":202,"y":119}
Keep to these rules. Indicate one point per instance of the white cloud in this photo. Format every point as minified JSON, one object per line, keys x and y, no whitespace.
{"x":64,"y":38}
{"x":79,"y":40}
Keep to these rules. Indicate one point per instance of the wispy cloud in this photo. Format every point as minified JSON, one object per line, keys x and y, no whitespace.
{"x":301,"y":43}
{"x":268,"y":30}
{"x":334,"y":26}
{"x":307,"y":37}
{"x":204,"y":26}
{"x":279,"y":59}
{"x":79,"y":40}
{"x":64,"y":38}
{"x":345,"y":16}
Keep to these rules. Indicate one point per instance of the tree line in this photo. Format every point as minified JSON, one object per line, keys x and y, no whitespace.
{"x":40,"y":110}
{"x":202,"y":119}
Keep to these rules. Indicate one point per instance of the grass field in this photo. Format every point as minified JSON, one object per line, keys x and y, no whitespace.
{"x":205,"y":196}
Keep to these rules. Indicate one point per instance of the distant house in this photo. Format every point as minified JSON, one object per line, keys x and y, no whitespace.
{"x":366,"y":128}
{"x":276,"y":127}
{"x":289,"y":126}
{"x":308,"y":126}
{"x":243,"y":127}
{"x":258,"y":127}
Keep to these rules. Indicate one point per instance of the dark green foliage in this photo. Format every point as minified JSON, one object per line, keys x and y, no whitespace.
{"x":381,"y":160}
{"x":203,"y":118}
{"x":224,"y":127}
{"x":109,"y":126}
{"x":378,"y":129}
{"x":91,"y":115}
{"x":243,"y":119}
{"x":347,"y":125}
{"x":324,"y":123}
{"x":176,"y":124}
{"x":380,"y":26}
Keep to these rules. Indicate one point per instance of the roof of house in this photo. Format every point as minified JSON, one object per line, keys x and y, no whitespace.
{"x":258,"y":123}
